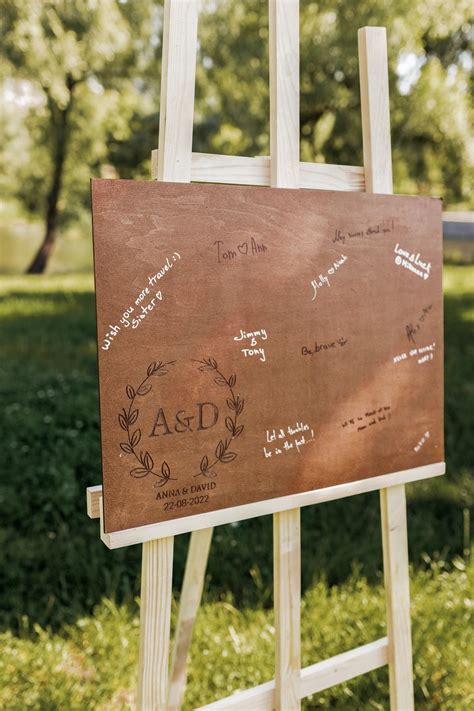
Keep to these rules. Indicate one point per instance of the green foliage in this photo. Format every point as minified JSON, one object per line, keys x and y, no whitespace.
{"x":429,"y":63}
{"x":80,"y":61}
{"x":103,"y":59}
{"x":91,"y":664}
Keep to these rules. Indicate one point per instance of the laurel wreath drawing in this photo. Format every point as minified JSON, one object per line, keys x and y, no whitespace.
{"x":128,"y":417}
{"x":236,"y":405}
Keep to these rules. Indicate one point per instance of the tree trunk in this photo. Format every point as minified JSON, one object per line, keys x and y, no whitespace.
{"x":61,"y":134}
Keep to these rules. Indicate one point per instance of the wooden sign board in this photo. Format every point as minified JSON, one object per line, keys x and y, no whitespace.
{"x":256,"y":342}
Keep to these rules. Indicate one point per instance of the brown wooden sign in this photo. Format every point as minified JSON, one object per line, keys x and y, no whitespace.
{"x":258,"y":342}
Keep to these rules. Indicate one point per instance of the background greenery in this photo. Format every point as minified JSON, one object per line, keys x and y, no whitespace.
{"x":80,"y":88}
{"x":80,"y":83}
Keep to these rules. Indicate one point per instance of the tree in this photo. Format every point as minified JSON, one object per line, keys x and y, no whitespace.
{"x":429,"y":65}
{"x":81,"y":58}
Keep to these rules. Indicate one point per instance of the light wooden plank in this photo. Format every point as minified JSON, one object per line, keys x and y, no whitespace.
{"x":324,"y":176}
{"x":287,"y":602}
{"x":375,"y":107}
{"x":397,"y":593}
{"x":344,"y":667}
{"x":93,"y":495}
{"x":131,"y":536}
{"x":178,"y":73}
{"x":378,"y":171}
{"x":155,"y":611}
{"x":313,"y":679}
{"x":193,"y":582}
{"x":284,"y":59}
{"x":174,"y":164}
{"x":285,"y":173}
{"x":241,"y":170}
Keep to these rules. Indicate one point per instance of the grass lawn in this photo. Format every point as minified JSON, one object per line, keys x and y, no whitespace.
{"x":58,"y":653}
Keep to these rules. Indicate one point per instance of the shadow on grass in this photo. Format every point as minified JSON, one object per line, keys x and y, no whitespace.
{"x":56,"y":568}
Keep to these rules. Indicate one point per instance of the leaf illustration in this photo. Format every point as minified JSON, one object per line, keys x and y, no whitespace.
{"x":161,"y":371}
{"x":231,"y":404}
{"x":148,"y":460}
{"x":229,"y":423}
{"x":143,"y":389}
{"x":210,"y":474}
{"x":138,"y":472}
{"x":165,"y":470}
{"x":240,"y":407}
{"x":232,"y":380}
{"x":220,"y":449}
{"x":126,"y":447}
{"x":132,"y":418}
{"x":220,"y":380}
{"x":228,"y":457}
{"x":238,"y":430}
{"x":136,"y":437}
{"x":161,"y":481}
{"x":151,"y":369}
{"x":122,"y":421}
{"x":130,"y":392}
{"x":213,"y":363}
{"x":204,"y":464}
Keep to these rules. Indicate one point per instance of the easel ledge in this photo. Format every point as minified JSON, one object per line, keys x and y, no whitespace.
{"x":154,"y":531}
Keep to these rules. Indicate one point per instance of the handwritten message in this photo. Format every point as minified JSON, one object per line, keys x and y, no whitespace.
{"x":252,"y":339}
{"x":412,"y":329}
{"x":320,"y":347}
{"x":368,"y":419}
{"x":422,"y":441}
{"x":380,"y":228}
{"x":425,"y":353}
{"x":146,"y":300}
{"x":412,"y":262}
{"x":249,"y":248}
{"x":323,"y":279}
{"x":287,"y":439}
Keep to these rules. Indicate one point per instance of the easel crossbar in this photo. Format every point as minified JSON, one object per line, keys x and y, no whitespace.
{"x":313,"y":679}
{"x":242,"y":170}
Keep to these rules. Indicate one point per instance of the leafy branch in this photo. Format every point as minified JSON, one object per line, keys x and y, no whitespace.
{"x":128,"y":417}
{"x":236,"y":406}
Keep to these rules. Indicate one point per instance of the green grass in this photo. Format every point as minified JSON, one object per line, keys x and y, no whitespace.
{"x":92,"y":663}
{"x":56,"y":571}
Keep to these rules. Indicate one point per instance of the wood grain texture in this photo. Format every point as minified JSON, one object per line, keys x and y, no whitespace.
{"x":174,"y":164}
{"x":284,"y":173}
{"x":378,"y":172}
{"x":313,"y":679}
{"x":190,"y":599}
{"x":397,"y":594}
{"x":93,"y":496}
{"x":375,"y":107}
{"x":178,"y":74}
{"x":287,"y":602}
{"x":132,"y":536}
{"x":284,"y":93}
{"x":241,"y":170}
{"x":155,"y":612}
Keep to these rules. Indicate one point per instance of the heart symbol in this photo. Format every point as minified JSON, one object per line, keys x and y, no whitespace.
{"x":243,"y":248}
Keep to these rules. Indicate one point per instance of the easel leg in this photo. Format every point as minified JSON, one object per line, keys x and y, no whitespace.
{"x":191,"y":593}
{"x":155,"y":612}
{"x":287,"y":581}
{"x":397,"y":592}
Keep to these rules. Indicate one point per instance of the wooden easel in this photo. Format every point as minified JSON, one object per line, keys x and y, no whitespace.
{"x":174,"y":161}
